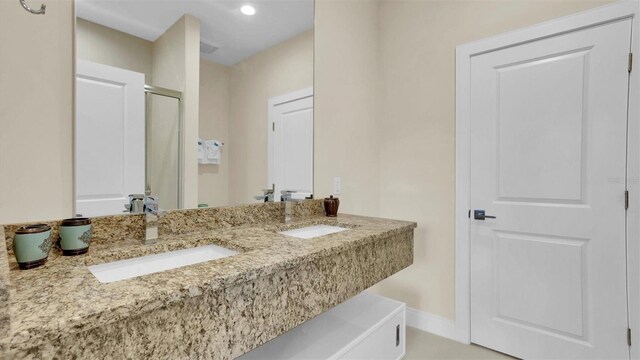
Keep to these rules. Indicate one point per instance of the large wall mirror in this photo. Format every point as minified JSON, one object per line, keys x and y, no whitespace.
{"x":202,"y":103}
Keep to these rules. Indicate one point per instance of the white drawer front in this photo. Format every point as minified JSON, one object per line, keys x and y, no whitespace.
{"x":386,"y":342}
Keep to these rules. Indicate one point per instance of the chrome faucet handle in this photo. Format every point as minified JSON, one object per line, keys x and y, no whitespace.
{"x":287,"y":195}
{"x":151,"y":206}
{"x":267,"y":195}
{"x":135,"y":205}
{"x":151,"y":203}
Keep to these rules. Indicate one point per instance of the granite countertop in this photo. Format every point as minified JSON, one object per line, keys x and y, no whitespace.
{"x":64,"y":297}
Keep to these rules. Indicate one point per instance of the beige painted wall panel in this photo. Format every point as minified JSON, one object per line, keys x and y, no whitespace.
{"x":346,"y":134}
{"x":36,"y":112}
{"x":168,"y":71}
{"x":281,"y":69}
{"x":416,"y":105}
{"x":191,"y":108}
{"x":213,"y":180}
{"x":107,"y":46}
{"x":176,"y":65}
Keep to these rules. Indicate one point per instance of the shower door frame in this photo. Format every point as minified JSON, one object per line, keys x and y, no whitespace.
{"x":174,"y":94}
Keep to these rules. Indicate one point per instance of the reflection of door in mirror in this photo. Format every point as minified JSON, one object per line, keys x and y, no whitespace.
{"x":291,"y":143}
{"x":109,"y":132}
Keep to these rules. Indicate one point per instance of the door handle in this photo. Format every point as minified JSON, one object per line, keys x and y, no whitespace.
{"x":480,"y":215}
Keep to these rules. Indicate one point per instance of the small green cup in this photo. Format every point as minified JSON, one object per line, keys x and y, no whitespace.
{"x":31,"y":245}
{"x":75,"y":236}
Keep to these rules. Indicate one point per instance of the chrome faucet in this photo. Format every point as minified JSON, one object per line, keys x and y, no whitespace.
{"x":287,"y":198}
{"x":152,"y":214}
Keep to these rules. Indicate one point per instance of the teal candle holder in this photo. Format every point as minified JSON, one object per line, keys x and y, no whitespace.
{"x":31,"y":245}
{"x":75,"y":236}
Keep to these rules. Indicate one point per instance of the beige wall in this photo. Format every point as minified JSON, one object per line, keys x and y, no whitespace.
{"x":346,"y":134}
{"x":36,"y":112}
{"x":107,"y":46}
{"x":281,"y":69}
{"x":191,"y":98}
{"x":415,"y":106}
{"x":213,"y":180}
{"x":176,"y":65}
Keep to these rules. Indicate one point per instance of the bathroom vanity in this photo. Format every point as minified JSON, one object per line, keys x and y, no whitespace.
{"x":219,"y":309}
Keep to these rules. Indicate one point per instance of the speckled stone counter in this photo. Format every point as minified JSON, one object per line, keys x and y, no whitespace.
{"x":214,"y":310}
{"x":5,"y":319}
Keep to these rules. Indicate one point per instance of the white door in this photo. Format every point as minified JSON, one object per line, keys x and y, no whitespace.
{"x":109,"y":135}
{"x":548,"y":150}
{"x":291,"y":143}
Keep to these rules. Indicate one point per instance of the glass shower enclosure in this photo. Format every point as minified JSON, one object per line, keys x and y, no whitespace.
{"x":164,"y":147}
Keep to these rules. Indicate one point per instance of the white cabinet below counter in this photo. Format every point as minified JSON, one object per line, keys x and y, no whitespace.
{"x":366,"y":326}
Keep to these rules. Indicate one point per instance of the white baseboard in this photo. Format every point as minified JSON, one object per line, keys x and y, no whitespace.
{"x":432,"y":323}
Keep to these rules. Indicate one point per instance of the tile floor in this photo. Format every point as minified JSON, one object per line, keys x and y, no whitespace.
{"x":424,"y":346}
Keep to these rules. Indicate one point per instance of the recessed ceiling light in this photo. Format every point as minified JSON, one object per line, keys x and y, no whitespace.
{"x":248,"y":10}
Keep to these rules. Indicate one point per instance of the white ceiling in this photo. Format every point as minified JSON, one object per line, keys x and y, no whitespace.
{"x":222,"y":25}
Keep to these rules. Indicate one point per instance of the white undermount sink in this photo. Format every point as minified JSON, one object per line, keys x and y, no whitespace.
{"x":314,"y":231}
{"x":149,"y":264}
